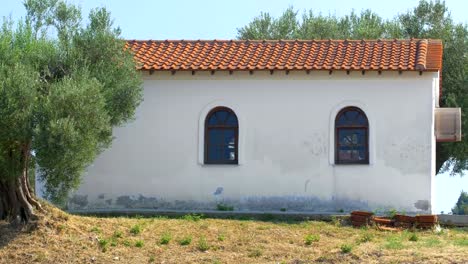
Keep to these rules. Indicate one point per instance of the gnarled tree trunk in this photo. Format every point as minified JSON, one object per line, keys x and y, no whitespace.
{"x":17,"y":201}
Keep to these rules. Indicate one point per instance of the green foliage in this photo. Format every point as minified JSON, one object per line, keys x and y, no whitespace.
{"x":139,"y":244}
{"x":224,"y":207}
{"x":429,"y":19}
{"x":135,"y":230}
{"x":413,"y":237}
{"x":64,"y":86}
{"x":461,"y":207}
{"x":193,"y":217}
{"x":346,"y":248}
{"x":117,"y":234}
{"x":309,"y":239}
{"x":394,"y":242}
{"x":203,"y":244}
{"x":103,"y":243}
{"x":165,"y":238}
{"x":185,"y":241}
{"x":366,"y":237}
{"x":221,"y":237}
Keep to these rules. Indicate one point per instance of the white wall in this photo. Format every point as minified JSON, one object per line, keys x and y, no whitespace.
{"x":285,"y":150}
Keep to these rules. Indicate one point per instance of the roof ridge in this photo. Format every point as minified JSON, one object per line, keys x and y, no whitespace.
{"x":281,"y":40}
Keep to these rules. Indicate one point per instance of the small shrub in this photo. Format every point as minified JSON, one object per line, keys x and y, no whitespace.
{"x":193,"y":217}
{"x":309,"y":239}
{"x":185,"y":241}
{"x":221,"y":237}
{"x":346,"y":248}
{"x":165,"y":239}
{"x":139,"y":244}
{"x":413,"y":237}
{"x":366,"y":237}
{"x":391,"y":213}
{"x":117,"y":234}
{"x":95,"y":229}
{"x":103,"y":244}
{"x":203,"y":244}
{"x":224,"y":207}
{"x":255,"y":253}
{"x":135,"y":230}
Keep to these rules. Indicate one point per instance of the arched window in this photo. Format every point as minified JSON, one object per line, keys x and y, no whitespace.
{"x":351,"y":137}
{"x":221,"y":136}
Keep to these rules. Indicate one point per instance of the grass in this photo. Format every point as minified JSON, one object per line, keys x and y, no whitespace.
{"x":309,"y":239}
{"x":165,"y":238}
{"x":203,"y":244}
{"x":185,"y":241}
{"x":220,"y":241}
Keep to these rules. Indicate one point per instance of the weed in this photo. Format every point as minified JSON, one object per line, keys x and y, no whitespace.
{"x":335,"y":221}
{"x":185,"y":241}
{"x":103,"y":244}
{"x":152,"y":259}
{"x":203,"y":244}
{"x":126,"y":243}
{"x":309,"y":239}
{"x":413,"y":237}
{"x":224,"y":207}
{"x":255,"y":253}
{"x":461,"y":242}
{"x":346,"y":248}
{"x":113,"y":243}
{"x":117,"y":234}
{"x":193,"y":217}
{"x":165,"y":239}
{"x":135,"y":230}
{"x":95,"y":229}
{"x":139,"y":243}
{"x":432,"y":242}
{"x":391,"y":213}
{"x":221,"y":237}
{"x":394,"y":242}
{"x":366,"y":237}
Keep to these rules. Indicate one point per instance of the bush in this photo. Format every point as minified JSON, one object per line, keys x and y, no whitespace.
{"x":185,"y":241}
{"x":224,"y":207}
{"x":135,"y":230}
{"x":203,"y":244}
{"x":139,"y":244}
{"x":346,"y":248}
{"x":165,"y":239}
{"x":309,"y":239}
{"x":413,"y":237}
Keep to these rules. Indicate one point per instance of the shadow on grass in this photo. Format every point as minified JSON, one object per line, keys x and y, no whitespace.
{"x":9,"y":232}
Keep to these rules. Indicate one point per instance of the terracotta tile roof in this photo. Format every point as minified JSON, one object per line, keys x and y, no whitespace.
{"x":235,"y":55}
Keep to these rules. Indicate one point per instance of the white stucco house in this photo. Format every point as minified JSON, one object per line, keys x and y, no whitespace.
{"x":306,"y":126}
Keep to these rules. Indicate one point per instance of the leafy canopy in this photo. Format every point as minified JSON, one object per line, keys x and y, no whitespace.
{"x":429,"y":19}
{"x":461,"y":207}
{"x":63,"y":87}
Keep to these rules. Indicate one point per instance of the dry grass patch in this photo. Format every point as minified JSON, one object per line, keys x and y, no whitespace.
{"x":64,"y":238}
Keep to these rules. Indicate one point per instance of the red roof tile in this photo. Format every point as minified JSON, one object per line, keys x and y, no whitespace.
{"x":235,"y":55}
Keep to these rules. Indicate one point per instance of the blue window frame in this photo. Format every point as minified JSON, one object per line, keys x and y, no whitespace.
{"x":221,"y":136}
{"x":351,"y":137}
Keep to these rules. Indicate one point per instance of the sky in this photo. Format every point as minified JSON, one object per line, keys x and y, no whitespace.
{"x":220,"y":19}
